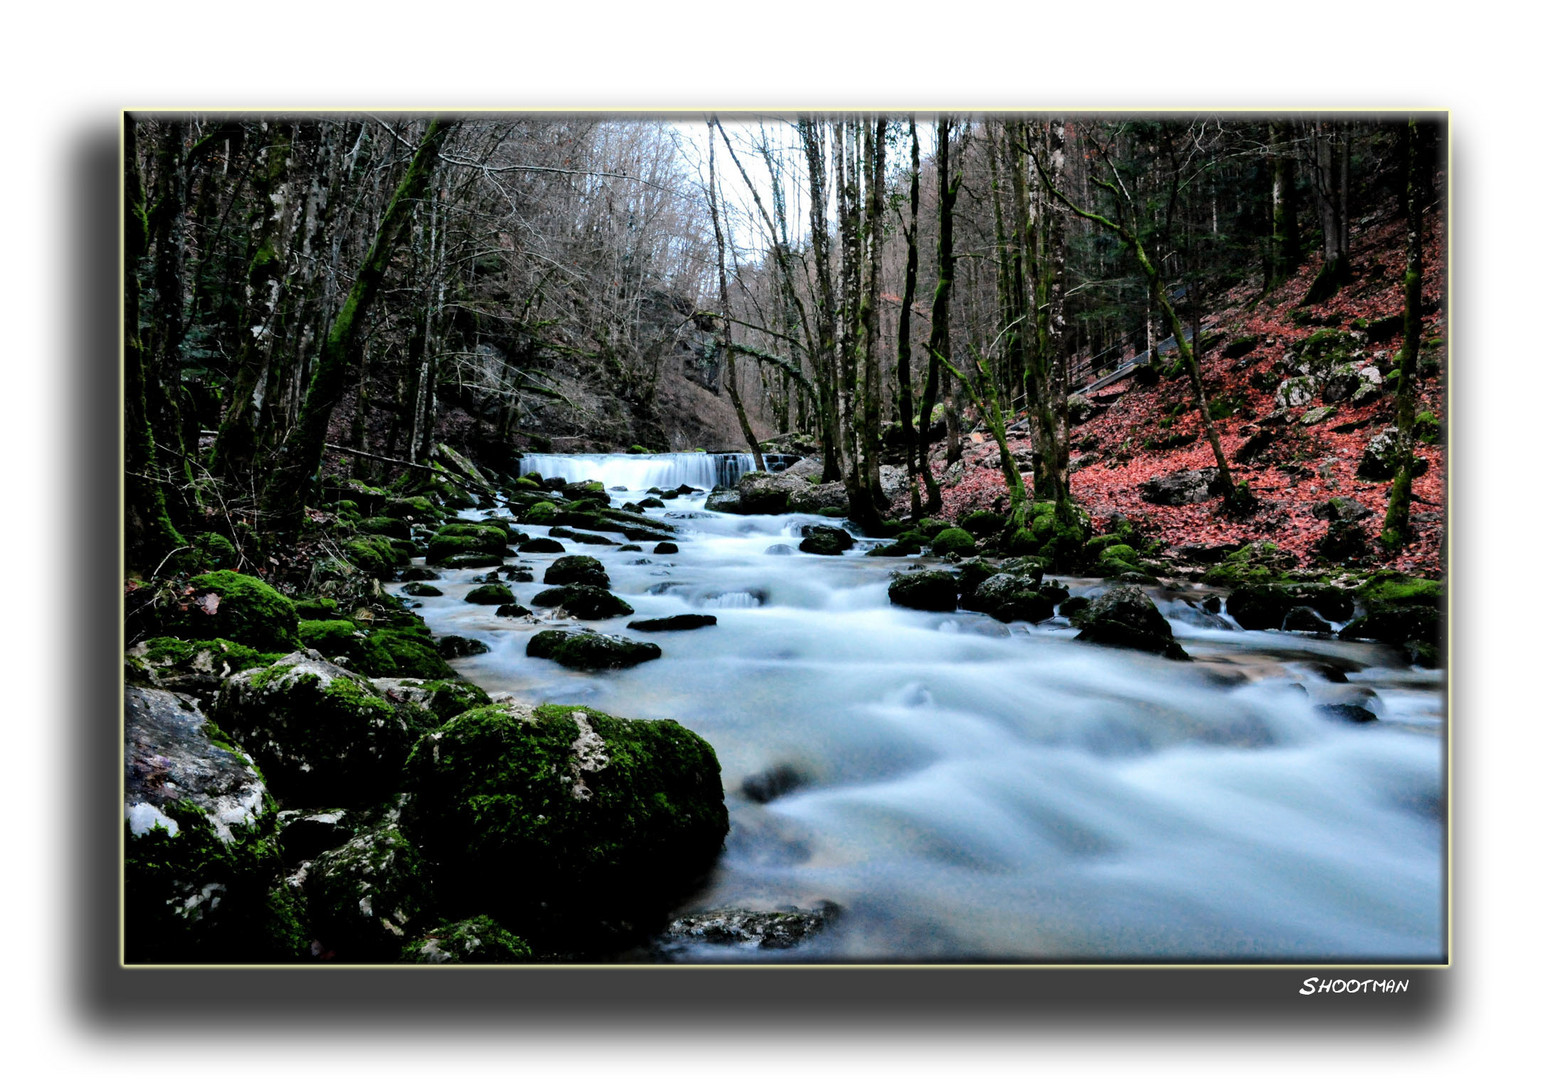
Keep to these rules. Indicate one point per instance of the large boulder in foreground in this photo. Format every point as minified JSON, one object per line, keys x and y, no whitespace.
{"x":561,"y":820}
{"x":237,"y":607}
{"x":201,"y":864}
{"x":1126,"y":618}
{"x":322,"y":735}
{"x":364,"y":896}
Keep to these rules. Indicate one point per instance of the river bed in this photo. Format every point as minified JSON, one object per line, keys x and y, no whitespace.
{"x":967,"y":790}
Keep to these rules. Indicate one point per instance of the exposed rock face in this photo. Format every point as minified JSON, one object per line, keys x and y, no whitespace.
{"x":321,"y":734}
{"x":1125,"y":617}
{"x":564,"y":819}
{"x":789,"y":492}
{"x":924,"y":590}
{"x":1182,"y":488}
{"x":752,"y":929}
{"x":201,"y":864}
{"x":586,"y":650}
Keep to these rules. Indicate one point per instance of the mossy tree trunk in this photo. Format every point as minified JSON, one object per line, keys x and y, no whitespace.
{"x":1397,"y":529}
{"x":910,"y":281}
{"x":940,"y":345}
{"x":868,"y":499}
{"x":150,"y":535}
{"x":289,"y":485}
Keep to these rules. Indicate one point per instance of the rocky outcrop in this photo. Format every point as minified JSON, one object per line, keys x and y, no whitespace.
{"x":1182,"y":488}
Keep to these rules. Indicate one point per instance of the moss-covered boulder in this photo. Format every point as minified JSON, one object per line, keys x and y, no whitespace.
{"x":422,"y":588}
{"x":202,"y":865}
{"x":952,"y":542}
{"x":1126,"y":618}
{"x":1010,"y":598}
{"x":214,"y":550}
{"x":416,"y":508}
{"x":1257,"y":563}
{"x":191,"y":667}
{"x":490,"y":594}
{"x":340,"y":640}
{"x":1379,"y":457}
{"x":924,"y":590}
{"x":825,"y":540}
{"x":1401,"y":610}
{"x":585,"y":650}
{"x":321,"y":735}
{"x":477,"y":940}
{"x":564,"y":821}
{"x":453,"y":646}
{"x":541,"y":545}
{"x":582,"y":602}
{"x":238,"y":607}
{"x":577,"y":570}
{"x":444,"y":698}
{"x":982,"y":522}
{"x":364,"y":896}
{"x":411,"y":650}
{"x":468,"y":543}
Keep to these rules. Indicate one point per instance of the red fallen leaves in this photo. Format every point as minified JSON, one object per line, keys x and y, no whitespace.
{"x":1322,"y":463}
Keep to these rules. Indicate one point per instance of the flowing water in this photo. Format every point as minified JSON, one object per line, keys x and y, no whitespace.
{"x":969,"y":790}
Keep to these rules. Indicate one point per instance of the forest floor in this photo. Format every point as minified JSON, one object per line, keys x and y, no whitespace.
{"x":1112,"y":452}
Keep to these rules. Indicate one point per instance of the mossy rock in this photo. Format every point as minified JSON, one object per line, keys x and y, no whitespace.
{"x":365,"y":895}
{"x":541,"y":545}
{"x":454,"y":646}
{"x":1125,"y":618}
{"x":953,"y":542}
{"x":540,"y":513}
{"x":924,"y":590}
{"x":490,"y":594}
{"x":321,"y":734}
{"x":477,"y":940}
{"x":907,"y":544}
{"x":411,"y":652}
{"x":585,"y":650}
{"x":1010,"y":598}
{"x":399,"y":528}
{"x":565,"y":822}
{"x":1401,"y":610}
{"x":422,"y":588}
{"x":374,"y":555}
{"x":825,"y":540}
{"x":577,"y":570}
{"x":464,"y":541}
{"x":340,"y":638}
{"x":316,"y":607}
{"x":1256,"y":563}
{"x":415,"y":508}
{"x":192,"y":667}
{"x":582,"y":601}
{"x":1267,"y":606}
{"x":215,"y":550}
{"x":982,"y":522}
{"x":226,"y":604}
{"x":444,"y":698}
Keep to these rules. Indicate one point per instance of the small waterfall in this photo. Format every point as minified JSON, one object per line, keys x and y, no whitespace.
{"x":636,"y":472}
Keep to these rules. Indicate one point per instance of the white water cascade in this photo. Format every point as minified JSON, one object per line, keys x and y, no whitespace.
{"x":636,"y":472}
{"x":973,"y":790}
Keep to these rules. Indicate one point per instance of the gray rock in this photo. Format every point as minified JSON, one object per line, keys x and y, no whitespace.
{"x":1125,"y":617}
{"x":1182,"y":488}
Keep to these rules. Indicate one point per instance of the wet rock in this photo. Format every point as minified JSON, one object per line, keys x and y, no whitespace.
{"x":773,"y":782}
{"x":1125,"y":617}
{"x":418,"y":588}
{"x":1010,"y":598}
{"x":743,"y":927}
{"x":512,"y":611}
{"x":1354,"y":714}
{"x":490,"y":594}
{"x":825,"y":540}
{"x":1264,"y":607}
{"x":1305,"y":620}
{"x":563,"y":533}
{"x":924,"y":590}
{"x":582,"y":602}
{"x":191,"y":667}
{"x":562,"y":821}
{"x":1182,"y":488}
{"x":577,"y":570}
{"x":673,"y":622}
{"x":665,"y":547}
{"x":586,"y":650}
{"x":454,"y":646}
{"x":541,"y":545}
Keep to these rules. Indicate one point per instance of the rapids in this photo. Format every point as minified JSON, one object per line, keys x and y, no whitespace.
{"x":973,"y":791}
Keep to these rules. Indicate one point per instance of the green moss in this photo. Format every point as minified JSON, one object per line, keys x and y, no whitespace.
{"x":953,"y":542}
{"x":464,"y":539}
{"x":1390,"y":587}
{"x":215,"y":550}
{"x":315,"y":607}
{"x":478,"y":940}
{"x":541,"y":513}
{"x":411,"y":655}
{"x":982,"y":522}
{"x":549,"y":836}
{"x":247,"y":611}
{"x":398,"y":528}
{"x":1254,"y":563}
{"x":490,"y":594}
{"x":365,"y":894}
{"x":374,"y":555}
{"x":422,"y":588}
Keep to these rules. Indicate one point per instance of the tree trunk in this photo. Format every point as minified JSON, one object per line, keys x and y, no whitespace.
{"x":940,"y":335}
{"x":870,"y":499}
{"x":724,"y":306}
{"x":910,"y":280}
{"x":288,"y":488}
{"x":149,"y":533}
{"x":826,"y":362}
{"x":1397,"y":529}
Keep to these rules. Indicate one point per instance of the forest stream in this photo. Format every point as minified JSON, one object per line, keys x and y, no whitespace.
{"x":966,"y":789}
